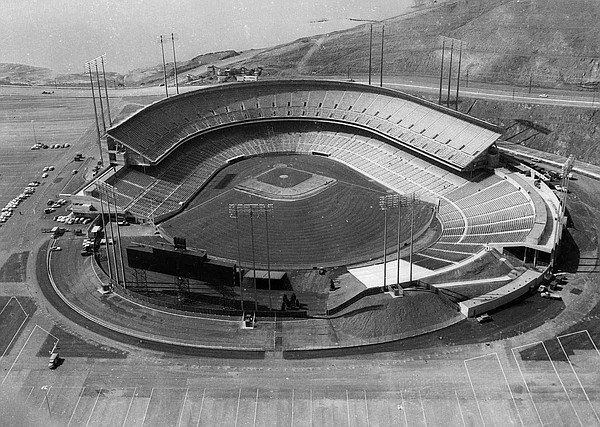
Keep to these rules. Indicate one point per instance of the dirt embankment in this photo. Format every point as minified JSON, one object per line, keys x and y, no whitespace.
{"x":554,"y":129}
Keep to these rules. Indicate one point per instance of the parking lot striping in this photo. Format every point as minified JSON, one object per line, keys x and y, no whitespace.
{"x":18,"y":330}
{"x":367,"y":408}
{"x":201,"y":406}
{"x":17,"y":301}
{"x":76,"y":405}
{"x":18,"y":355}
{"x":509,"y":390}
{"x":46,"y":397}
{"x":292,"y":416}
{"x":561,"y":383}
{"x":422,"y":408}
{"x":29,"y":394}
{"x":403,"y":409}
{"x":473,"y":388}
{"x":311,"y":409}
{"x":578,"y":380}
{"x":183,"y":406}
{"x":237,"y":409}
{"x":525,"y":382}
{"x":93,"y":407}
{"x":129,"y":407}
{"x":462,"y":417}
{"x":255,"y":408}
{"x":580,"y":332}
{"x":147,"y":406}
{"x":348,"y":407}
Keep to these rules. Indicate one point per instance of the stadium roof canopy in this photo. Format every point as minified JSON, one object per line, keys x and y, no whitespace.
{"x":446,"y":136}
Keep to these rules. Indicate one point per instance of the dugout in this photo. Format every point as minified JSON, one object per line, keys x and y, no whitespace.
{"x":279,"y":280}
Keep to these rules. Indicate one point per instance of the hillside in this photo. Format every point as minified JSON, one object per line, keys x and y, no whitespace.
{"x":553,"y":42}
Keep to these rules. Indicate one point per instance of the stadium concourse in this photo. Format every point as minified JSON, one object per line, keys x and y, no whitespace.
{"x":487,"y":215}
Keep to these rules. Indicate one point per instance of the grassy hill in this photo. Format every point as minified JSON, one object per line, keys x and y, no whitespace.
{"x":552,"y":41}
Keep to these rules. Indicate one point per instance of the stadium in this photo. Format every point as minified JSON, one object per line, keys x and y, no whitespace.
{"x":341,"y":193}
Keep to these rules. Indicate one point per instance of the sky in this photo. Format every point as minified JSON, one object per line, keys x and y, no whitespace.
{"x":63,"y":34}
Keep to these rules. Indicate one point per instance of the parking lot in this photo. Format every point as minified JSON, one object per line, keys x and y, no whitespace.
{"x":521,"y":385}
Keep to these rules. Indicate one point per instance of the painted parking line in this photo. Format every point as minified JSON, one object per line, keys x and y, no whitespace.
{"x":441,"y":410}
{"x":37,"y":332}
{"x":329,"y":407}
{"x":111,"y":406}
{"x":275,"y":407}
{"x":540,"y":377}
{"x":572,"y":345}
{"x":4,"y":322}
{"x":495,"y":402}
{"x":220,"y":407}
{"x":164,"y":406}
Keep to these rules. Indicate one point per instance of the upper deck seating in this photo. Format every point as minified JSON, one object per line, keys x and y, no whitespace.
{"x":451,"y":138}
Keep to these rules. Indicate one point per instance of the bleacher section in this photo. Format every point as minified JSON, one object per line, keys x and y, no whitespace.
{"x":489,"y":210}
{"x":450,"y":138}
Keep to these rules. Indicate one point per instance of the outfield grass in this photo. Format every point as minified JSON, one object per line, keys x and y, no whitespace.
{"x":339,"y":226}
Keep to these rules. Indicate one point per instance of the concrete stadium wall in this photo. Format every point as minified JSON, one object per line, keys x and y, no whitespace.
{"x":495,"y":299}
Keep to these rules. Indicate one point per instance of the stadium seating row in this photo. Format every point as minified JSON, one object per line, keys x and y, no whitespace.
{"x":159,"y":128}
{"x":471,"y":215}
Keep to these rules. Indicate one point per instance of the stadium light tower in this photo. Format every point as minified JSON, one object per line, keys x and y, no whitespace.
{"x":162,"y":48}
{"x":89,"y":67}
{"x":109,"y":193}
{"x":252,"y":210}
{"x":175,"y":63}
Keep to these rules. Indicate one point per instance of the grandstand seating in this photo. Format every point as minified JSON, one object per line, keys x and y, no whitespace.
{"x":484,"y":212}
{"x":396,"y":139}
{"x":449,"y":138}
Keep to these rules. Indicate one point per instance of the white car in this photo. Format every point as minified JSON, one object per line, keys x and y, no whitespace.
{"x":56,"y":248}
{"x":543,"y":95}
{"x":45,"y":169}
{"x":44,"y":175}
{"x":50,"y":168}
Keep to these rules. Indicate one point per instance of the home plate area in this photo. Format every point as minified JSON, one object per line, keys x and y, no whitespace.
{"x":283,"y":183}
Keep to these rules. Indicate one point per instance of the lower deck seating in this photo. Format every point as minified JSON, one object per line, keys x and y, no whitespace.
{"x":472,"y":214}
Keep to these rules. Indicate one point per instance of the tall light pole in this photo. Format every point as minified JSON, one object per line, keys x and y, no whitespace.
{"x":442,"y":72}
{"x":458,"y":74}
{"x":392,"y":201}
{"x":106,"y":91}
{"x":370,"y":52}
{"x":381,"y":63}
{"x":162,"y":48}
{"x":234,"y":213}
{"x":175,"y":63}
{"x":89,"y":66}
{"x":251,"y":210}
{"x":109,"y":192}
{"x":100,"y":97}
{"x":450,"y":74}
